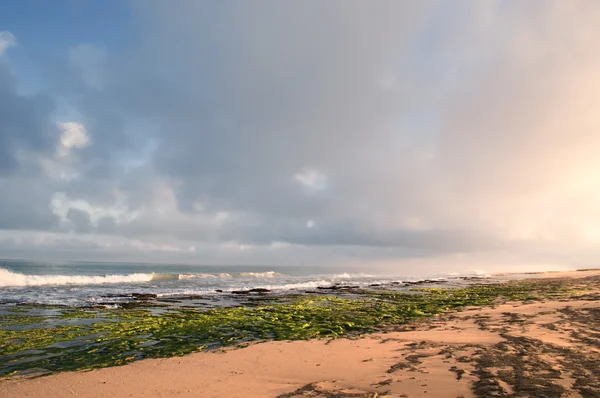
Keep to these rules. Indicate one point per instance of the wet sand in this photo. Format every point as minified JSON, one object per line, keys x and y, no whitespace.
{"x":547,"y":348}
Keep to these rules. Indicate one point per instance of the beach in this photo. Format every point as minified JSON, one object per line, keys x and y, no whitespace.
{"x":549,"y":346}
{"x":299,"y":199}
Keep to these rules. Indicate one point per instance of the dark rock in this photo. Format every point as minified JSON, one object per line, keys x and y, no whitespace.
{"x":168,"y":300}
{"x":424,"y":281}
{"x":219,"y":291}
{"x":144,"y":296}
{"x":337,"y":287}
{"x":136,"y":296}
{"x":259,"y":290}
{"x":255,"y":290}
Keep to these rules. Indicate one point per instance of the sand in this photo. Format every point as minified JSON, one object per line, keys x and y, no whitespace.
{"x":546,"y":348}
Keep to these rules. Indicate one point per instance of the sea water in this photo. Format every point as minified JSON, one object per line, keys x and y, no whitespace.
{"x":95,"y":283}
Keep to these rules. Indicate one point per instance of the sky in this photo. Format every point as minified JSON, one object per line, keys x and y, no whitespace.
{"x":432,"y":135}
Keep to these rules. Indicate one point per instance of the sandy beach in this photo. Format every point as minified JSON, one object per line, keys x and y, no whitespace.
{"x":545,"y":348}
{"x":299,"y":199}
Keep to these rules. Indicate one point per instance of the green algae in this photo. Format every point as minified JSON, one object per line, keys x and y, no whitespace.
{"x":111,"y":337}
{"x":19,"y":320}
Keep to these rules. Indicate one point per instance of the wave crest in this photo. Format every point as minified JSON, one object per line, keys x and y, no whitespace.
{"x":9,"y":278}
{"x":268,"y":274}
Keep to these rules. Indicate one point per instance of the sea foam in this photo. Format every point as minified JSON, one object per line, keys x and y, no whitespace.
{"x":9,"y":278}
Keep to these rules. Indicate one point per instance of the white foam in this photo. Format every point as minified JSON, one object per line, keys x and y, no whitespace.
{"x":346,"y":275}
{"x":299,"y":285}
{"x":185,"y":292}
{"x":8,"y":278}
{"x":268,"y":274}
{"x":204,"y":276}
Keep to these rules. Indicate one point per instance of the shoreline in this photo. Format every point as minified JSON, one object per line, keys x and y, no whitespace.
{"x":505,"y":348}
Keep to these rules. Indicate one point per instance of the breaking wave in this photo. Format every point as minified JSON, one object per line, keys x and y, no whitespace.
{"x":346,"y":275}
{"x":9,"y":278}
{"x":268,"y":274}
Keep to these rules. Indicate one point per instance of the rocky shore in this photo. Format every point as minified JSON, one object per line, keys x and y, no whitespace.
{"x":535,"y":337}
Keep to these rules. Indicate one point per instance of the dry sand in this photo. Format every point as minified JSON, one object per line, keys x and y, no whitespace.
{"x":547,"y":348}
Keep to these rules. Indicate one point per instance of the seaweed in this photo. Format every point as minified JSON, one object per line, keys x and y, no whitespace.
{"x":87,"y":338}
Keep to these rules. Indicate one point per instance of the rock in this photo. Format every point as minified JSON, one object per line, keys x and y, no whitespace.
{"x":255,"y":290}
{"x":423,"y":282}
{"x":334,"y":287}
{"x":337,"y":287}
{"x":135,"y":296}
{"x":219,"y":291}
{"x":168,"y":300}
{"x":144,"y":296}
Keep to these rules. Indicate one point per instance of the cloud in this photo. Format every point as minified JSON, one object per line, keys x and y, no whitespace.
{"x":341,"y":131}
{"x":88,"y":60}
{"x":25,"y":120}
{"x":64,"y":163}
{"x":73,"y":136}
{"x":7,"y":40}
{"x":62,"y":206}
{"x":313,"y":180}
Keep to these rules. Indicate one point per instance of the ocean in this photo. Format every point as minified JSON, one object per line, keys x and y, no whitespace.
{"x":97,"y":283}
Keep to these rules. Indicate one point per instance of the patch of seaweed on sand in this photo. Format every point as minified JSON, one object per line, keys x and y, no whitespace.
{"x":527,"y":367}
{"x":321,"y":390}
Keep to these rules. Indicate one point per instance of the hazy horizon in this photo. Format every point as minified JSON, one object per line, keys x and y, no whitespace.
{"x":436,"y":136}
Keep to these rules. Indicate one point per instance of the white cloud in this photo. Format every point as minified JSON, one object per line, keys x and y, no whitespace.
{"x":310,"y":224}
{"x":73,"y":136}
{"x":7,"y":40}
{"x":63,"y":164}
{"x":312,"y":179}
{"x":61,"y":204}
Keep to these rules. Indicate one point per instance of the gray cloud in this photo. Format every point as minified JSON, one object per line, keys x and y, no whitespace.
{"x":339,"y":131}
{"x":24,"y":204}
{"x":26,"y":121}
